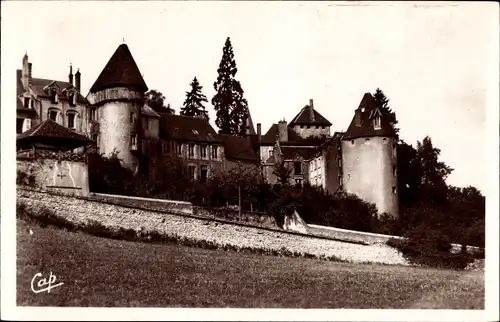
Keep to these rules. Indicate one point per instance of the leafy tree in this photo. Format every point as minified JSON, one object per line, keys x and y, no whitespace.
{"x":193,"y":105}
{"x":230,"y":105}
{"x":282,"y":172}
{"x":409,"y":174}
{"x":382,"y":102}
{"x":434,"y":172}
{"x":156,"y":101}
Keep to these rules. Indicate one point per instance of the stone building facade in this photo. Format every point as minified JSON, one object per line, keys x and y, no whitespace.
{"x":40,"y":99}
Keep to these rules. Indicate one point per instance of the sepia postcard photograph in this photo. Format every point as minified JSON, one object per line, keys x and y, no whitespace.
{"x":250,"y":160}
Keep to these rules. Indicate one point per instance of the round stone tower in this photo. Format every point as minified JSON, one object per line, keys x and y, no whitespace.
{"x":118,"y":96}
{"x":369,"y":157}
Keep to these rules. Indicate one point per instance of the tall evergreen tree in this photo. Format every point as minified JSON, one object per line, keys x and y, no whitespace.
{"x":193,"y":105}
{"x":382,"y":102}
{"x":230,"y":105}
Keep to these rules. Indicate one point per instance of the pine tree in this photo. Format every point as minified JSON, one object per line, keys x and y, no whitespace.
{"x":230,"y":106}
{"x":193,"y":105}
{"x":382,"y":102}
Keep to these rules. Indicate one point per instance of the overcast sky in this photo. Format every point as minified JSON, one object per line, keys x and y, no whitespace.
{"x":436,"y":63}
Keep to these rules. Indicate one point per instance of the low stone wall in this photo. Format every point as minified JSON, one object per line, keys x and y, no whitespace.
{"x":250,"y":218}
{"x":173,"y":206}
{"x":81,"y":210}
{"x":295,"y":223}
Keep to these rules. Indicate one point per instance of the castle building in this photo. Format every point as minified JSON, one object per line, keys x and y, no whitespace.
{"x":361,"y":161}
{"x":369,"y":156}
{"x":117,"y":97}
{"x":40,"y":99}
{"x":294,"y":144}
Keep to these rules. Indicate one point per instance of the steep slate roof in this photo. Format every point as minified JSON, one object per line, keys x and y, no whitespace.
{"x":304,"y":118}
{"x":120,"y":71}
{"x":38,"y":85}
{"x":148,"y":111}
{"x":366,"y":128}
{"x":293,"y":138}
{"x":186,"y":128}
{"x":49,"y":132}
{"x":239,"y":148}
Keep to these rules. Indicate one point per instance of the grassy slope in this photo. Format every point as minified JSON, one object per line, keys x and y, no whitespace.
{"x":102,"y":272}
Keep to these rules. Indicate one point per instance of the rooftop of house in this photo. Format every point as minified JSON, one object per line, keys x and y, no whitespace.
{"x":309,"y":116}
{"x":41,"y":87}
{"x":120,"y":71}
{"x":293,"y":137}
{"x":290,"y":153}
{"x":148,"y":111}
{"x":239,"y":148}
{"x":187,"y":129}
{"x":51,"y":135}
{"x":362,"y":124}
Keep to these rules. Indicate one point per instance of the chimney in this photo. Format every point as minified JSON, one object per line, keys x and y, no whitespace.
{"x":70,"y":76}
{"x":311,"y":110}
{"x":282,"y":131}
{"x":77,"y":79}
{"x":259,"y":132}
{"x":26,"y":71}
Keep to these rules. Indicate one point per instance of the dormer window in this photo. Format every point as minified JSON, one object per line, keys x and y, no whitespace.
{"x":72,"y":99}
{"x":377,"y":123}
{"x":55,"y":97}
{"x":28,"y":102}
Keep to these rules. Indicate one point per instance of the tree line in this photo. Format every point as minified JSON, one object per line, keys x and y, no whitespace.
{"x":229,"y":103}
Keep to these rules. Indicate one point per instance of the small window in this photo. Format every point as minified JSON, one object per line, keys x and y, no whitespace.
{"x":55,"y":97}
{"x":214,"y":152}
{"x":339,"y":162}
{"x":93,"y":114}
{"x":340,"y":181}
{"x":19,"y":125}
{"x":27,"y":102}
{"x":385,"y":140}
{"x":271,"y":152}
{"x":376,"y":123}
{"x":53,"y":116}
{"x":133,"y":141}
{"x":352,"y":142}
{"x":393,"y":189}
{"x":166,"y":147}
{"x":298,"y":181}
{"x":192,"y":172}
{"x":72,"y":99}
{"x":367,"y":139}
{"x":394,"y":170}
{"x":94,"y":137}
{"x":203,"y":173}
{"x":191,"y":150}
{"x":178,"y":147}
{"x":132,"y":117}
{"x":71,"y":120}
{"x":203,"y":151}
{"x":297,"y":167}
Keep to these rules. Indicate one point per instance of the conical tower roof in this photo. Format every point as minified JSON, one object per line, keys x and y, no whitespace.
{"x":120,"y":71}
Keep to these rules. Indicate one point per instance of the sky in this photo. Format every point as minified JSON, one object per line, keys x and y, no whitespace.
{"x":436,"y":62}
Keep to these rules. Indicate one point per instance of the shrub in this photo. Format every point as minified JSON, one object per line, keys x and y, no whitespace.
{"x":431,"y":248}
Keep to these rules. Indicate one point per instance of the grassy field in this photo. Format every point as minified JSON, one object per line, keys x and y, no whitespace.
{"x":101,"y":272}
